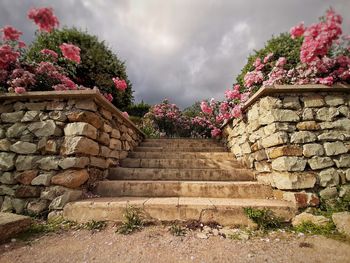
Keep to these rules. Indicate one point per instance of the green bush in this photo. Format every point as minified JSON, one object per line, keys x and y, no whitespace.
{"x":98,"y":63}
{"x":139,"y":109}
{"x":281,"y":46}
{"x":264,"y":218}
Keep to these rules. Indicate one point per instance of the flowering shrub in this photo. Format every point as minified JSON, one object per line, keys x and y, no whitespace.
{"x":54,"y":68}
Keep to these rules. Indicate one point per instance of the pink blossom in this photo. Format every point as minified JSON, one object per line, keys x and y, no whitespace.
{"x":21,"y":44}
{"x":44,"y":18}
{"x":108,"y":96}
{"x":253,"y":77}
{"x":281,"y":62}
{"x":10,"y":33}
{"x":7,"y":56}
{"x":258,"y":65}
{"x":297,"y":31}
{"x":119,"y":84}
{"x":268,"y":57}
{"x":326,"y":81}
{"x":215,"y":132}
{"x":20,"y":90}
{"x":206,"y":108}
{"x":244,"y":97}
{"x":50,"y":53}
{"x":125,"y":114}
{"x":45,"y":67}
{"x":237,"y":111}
{"x":70,"y":52}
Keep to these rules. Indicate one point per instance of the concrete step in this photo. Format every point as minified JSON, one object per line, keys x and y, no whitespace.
{"x":217,"y":189}
{"x":181,"y":163}
{"x":227,"y":212}
{"x":181,"y":144}
{"x":180,"y":155}
{"x":180,"y":149}
{"x":236,"y":174}
{"x":181,"y":140}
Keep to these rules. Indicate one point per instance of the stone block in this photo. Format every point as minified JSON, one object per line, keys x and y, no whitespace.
{"x":48,"y":163}
{"x":26,"y":177}
{"x":115,"y":144}
{"x":45,"y":128}
{"x":277,"y":138}
{"x":80,"y":128}
{"x":260,"y":155}
{"x":314,"y":101}
{"x":69,"y":196}
{"x":285,"y":150}
{"x":308,"y":126}
{"x":5,"y":145}
{"x":106,"y":128}
{"x":327,"y":114}
{"x":98,"y":162}
{"x":104,"y":138}
{"x":7,"y":161}
{"x":115,"y":134}
{"x":293,"y":180}
{"x":344,"y":191}
{"x":105,"y":113}
{"x":105,"y":151}
{"x":342,"y":222}
{"x":290,"y":102}
{"x":301,"y":199}
{"x":30,"y":116}
{"x":37,"y":207}
{"x":318,"y":162}
{"x":79,"y":145}
{"x":267,"y":103}
{"x":12,"y":224}
{"x":74,"y":162}
{"x":42,"y":179}
{"x":303,"y":137}
{"x":26,"y":191}
{"x":85,"y":116}
{"x":306,"y":217}
{"x":279,"y":115}
{"x":23,"y":147}
{"x":328,"y":177}
{"x":7,"y":204}
{"x":7,"y":178}
{"x":331,"y":136}
{"x":308,"y":114}
{"x":88,"y":104}
{"x":16,"y":130}
{"x":329,"y":193}
{"x":36,"y":106}
{"x":58,"y":116}
{"x":334,"y":100}
{"x":313,"y":149}
{"x":12,"y":117}
{"x":70,"y":178}
{"x":26,"y":162}
{"x":262,"y":166}
{"x":55,"y":105}
{"x":335,"y":148}
{"x":7,"y":190}
{"x":289,"y":163}
{"x":19,"y":205}
{"x":342,"y":161}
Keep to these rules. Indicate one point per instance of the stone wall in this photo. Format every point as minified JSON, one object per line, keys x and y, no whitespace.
{"x":297,"y":139}
{"x":54,"y":146}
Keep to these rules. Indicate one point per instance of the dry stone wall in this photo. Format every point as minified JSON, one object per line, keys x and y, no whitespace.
{"x":54,"y":147}
{"x":297,"y":141}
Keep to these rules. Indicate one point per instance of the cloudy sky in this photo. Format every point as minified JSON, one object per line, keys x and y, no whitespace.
{"x":184,"y":50}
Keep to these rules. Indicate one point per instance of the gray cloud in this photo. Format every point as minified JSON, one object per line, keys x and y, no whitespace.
{"x":185,"y":50}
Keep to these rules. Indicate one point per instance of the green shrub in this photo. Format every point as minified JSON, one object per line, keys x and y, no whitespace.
{"x":264,"y":218}
{"x":139,"y":109}
{"x":177,"y":230}
{"x":132,"y":221}
{"x":308,"y":227}
{"x":98,"y":63}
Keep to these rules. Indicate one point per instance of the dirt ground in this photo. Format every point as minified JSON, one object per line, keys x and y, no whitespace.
{"x":155,"y":244}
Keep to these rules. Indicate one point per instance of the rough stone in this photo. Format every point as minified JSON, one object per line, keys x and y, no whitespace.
{"x":69,"y":196}
{"x":308,"y":114}
{"x":7,"y":161}
{"x":289,"y":163}
{"x":6,"y":190}
{"x":31,"y":116}
{"x":293,"y":180}
{"x":303,"y":137}
{"x":42,"y":179}
{"x":48,"y":163}
{"x":37,"y":106}
{"x":312,"y":149}
{"x":301,"y":199}
{"x":115,"y":134}
{"x":98,"y":162}
{"x":45,"y":128}
{"x":344,"y":191}
{"x":334,"y":100}
{"x":18,"y":106}
{"x":318,"y":162}
{"x":23,"y":147}
{"x":115,"y":144}
{"x":347,"y":173}
{"x":291,"y":103}
{"x":260,"y":155}
{"x":12,"y":224}
{"x":86,"y":105}
{"x":279,"y":115}
{"x":74,"y":162}
{"x":5,"y":145}
{"x":262,"y":167}
{"x":268,"y":103}
{"x":55,"y":105}
{"x":126,"y":137}
{"x":308,"y":126}
{"x":71,"y":178}
{"x":80,"y":128}
{"x":275,"y":139}
{"x":106,"y":128}
{"x":335,"y":148}
{"x":342,"y":222}
{"x":7,"y":178}
{"x":343,"y":161}
{"x":327,"y":114}
{"x":306,"y":217}
{"x":25,"y":162}
{"x":26,"y":191}
{"x":85,"y":116}
{"x":115,"y":154}
{"x":342,"y":124}
{"x":52,"y":192}
{"x":313,"y":101}
{"x":344,"y":110}
{"x":37,"y":207}
{"x":16,"y":130}
{"x":19,"y":205}
{"x":104,"y":138}
{"x":79,"y":145}
{"x":332,"y":136}
{"x":12,"y":117}
{"x":329,"y":193}
{"x":285,"y":150}
{"x":105,"y":151}
{"x":26,"y":177}
{"x":329,"y":177}
{"x":58,"y":116}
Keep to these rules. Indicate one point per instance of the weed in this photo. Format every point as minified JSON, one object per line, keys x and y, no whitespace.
{"x":94,"y":225}
{"x":308,"y":227}
{"x":264,"y":218}
{"x":177,"y":230}
{"x":132,"y":221}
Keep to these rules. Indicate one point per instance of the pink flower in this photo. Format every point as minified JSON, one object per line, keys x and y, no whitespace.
{"x":10,"y":33}
{"x":244,"y":96}
{"x":7,"y":56}
{"x":326,"y":81}
{"x":206,"y":108}
{"x":268,"y":57}
{"x":253,"y":77}
{"x":44,"y":18}
{"x":50,"y":53}
{"x":258,"y":65}
{"x":236,"y":111}
{"x":125,"y":114}
{"x":108,"y":96}
{"x":297,"y":31}
{"x":60,"y":87}
{"x":281,"y":62}
{"x":215,"y":132}
{"x":70,"y":52}
{"x":20,"y":90}
{"x":120,"y":84}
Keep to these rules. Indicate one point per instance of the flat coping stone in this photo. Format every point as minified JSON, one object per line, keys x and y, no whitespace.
{"x":13,"y":224}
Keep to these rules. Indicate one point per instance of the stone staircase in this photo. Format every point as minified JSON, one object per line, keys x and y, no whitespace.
{"x":179,"y":179}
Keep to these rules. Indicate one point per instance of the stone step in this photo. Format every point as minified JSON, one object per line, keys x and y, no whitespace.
{"x":227,"y":212}
{"x":181,"y":144}
{"x":236,"y":174}
{"x":181,"y":140}
{"x":180,"y":149}
{"x":217,"y":189}
{"x":181,"y":163}
{"x":180,"y":155}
